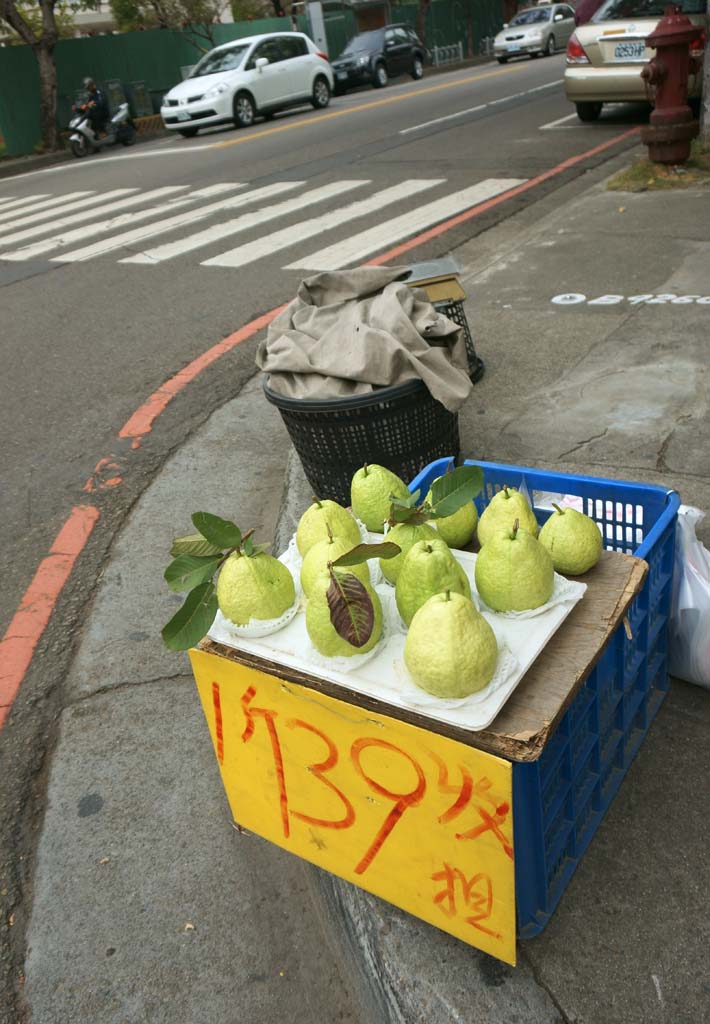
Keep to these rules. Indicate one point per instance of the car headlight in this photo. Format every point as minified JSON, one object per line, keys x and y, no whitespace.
{"x":362,"y":61}
{"x":216,"y":90}
{"x":535,"y":37}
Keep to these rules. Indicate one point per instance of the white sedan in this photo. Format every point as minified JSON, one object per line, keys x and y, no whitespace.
{"x":241,"y":80}
{"x":535,"y":32}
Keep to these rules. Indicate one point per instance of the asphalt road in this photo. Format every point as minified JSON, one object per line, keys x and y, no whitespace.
{"x":84,"y":343}
{"x":87,"y":337}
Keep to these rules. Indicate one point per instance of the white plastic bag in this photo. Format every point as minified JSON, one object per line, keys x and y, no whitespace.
{"x":689,"y":626}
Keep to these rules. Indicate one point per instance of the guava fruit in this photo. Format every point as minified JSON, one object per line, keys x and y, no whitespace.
{"x":514,"y":572}
{"x":316,"y":560}
{"x":428,"y":568}
{"x":505,"y":507}
{"x":321,"y":630}
{"x":573,"y":540}
{"x":405,"y":535}
{"x":450,"y":649}
{"x":371,"y":490}
{"x":256,"y":587}
{"x":459,"y":529}
{"x":319,"y":518}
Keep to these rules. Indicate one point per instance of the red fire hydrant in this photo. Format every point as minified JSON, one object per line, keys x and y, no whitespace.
{"x":671,"y":126}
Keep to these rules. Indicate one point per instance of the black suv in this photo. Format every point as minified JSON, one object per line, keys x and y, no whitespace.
{"x":376,"y":56}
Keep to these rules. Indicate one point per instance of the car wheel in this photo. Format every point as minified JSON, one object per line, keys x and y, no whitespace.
{"x":588,"y":111}
{"x":534,"y":56}
{"x":502,"y":60}
{"x":380,"y":80}
{"x":551,"y":47}
{"x":188,"y":133}
{"x":321,"y":93}
{"x":244,"y":110}
{"x":417,"y":68}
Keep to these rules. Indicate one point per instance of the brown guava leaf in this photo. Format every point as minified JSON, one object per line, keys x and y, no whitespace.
{"x":351,"y":610}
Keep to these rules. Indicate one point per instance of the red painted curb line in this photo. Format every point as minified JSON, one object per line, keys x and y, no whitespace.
{"x":29,"y":621}
{"x":476,"y":211}
{"x":141,"y":422}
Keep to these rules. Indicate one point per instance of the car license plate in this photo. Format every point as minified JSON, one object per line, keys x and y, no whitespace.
{"x":513,"y":47}
{"x":183,"y":115}
{"x":341,"y":74}
{"x":629,"y":51}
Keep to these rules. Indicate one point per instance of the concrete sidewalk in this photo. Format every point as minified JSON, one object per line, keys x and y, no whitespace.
{"x":149,"y":906}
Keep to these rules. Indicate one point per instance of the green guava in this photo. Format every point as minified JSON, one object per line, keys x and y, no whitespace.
{"x":257,"y":587}
{"x":450,"y":649}
{"x":315,"y":562}
{"x":500,"y":514}
{"x":459,"y":529}
{"x":404,"y":535}
{"x":321,"y":516}
{"x":428,"y":568}
{"x":573,"y":540}
{"x":514,"y":572}
{"x":371,"y":490}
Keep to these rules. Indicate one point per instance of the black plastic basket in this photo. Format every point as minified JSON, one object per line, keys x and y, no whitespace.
{"x":453,"y":309}
{"x":402,"y":428}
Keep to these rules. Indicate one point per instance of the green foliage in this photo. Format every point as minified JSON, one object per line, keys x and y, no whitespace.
{"x":361,"y":552}
{"x":31,"y":16}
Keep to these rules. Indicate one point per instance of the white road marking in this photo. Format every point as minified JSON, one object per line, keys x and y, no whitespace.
{"x":90,"y":214}
{"x":81,"y":234}
{"x":25,"y":206}
{"x":388,"y":232}
{"x":85,"y":213}
{"x":482,"y":106}
{"x":171,"y":223}
{"x":243,"y":223}
{"x":31,"y":212}
{"x":11,"y":201}
{"x":560,"y":120}
{"x":296,"y":233}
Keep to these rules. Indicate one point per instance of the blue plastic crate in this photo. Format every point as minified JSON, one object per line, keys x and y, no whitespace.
{"x":560,"y":799}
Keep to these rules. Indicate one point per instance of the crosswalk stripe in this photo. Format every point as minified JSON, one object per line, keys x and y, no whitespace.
{"x":30,"y":252}
{"x":11,"y":202}
{"x":78,"y":201}
{"x":171,"y":223}
{"x":243,"y":223}
{"x":306,"y":229}
{"x":78,"y":218}
{"x":386,"y":233}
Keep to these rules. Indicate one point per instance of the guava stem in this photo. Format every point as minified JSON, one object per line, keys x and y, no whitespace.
{"x":429,"y":548}
{"x":248,"y":534}
{"x":317,"y":502}
{"x":448,"y":595}
{"x":514,"y":534}
{"x":330,"y":532}
{"x":364,"y":470}
{"x":558,"y":508}
{"x":506,"y":492}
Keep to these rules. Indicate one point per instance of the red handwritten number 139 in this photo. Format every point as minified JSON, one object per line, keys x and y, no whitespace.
{"x":319,"y":769}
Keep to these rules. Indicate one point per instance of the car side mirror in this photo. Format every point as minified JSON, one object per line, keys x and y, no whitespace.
{"x":559,"y":17}
{"x":505,"y":24}
{"x":261,"y":62}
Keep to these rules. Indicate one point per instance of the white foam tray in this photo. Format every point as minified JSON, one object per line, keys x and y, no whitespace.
{"x":384,"y":676}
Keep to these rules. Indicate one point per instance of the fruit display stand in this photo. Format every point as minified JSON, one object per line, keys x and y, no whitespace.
{"x":477,"y":832}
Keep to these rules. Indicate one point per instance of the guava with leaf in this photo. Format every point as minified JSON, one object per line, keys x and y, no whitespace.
{"x":458,"y":529}
{"x":315,"y":562}
{"x":428,"y":568}
{"x":504,"y":508}
{"x":514,"y":572}
{"x":410,"y":522}
{"x":573,"y":540}
{"x":450,"y":650}
{"x":371,"y":492}
{"x":343,"y":614}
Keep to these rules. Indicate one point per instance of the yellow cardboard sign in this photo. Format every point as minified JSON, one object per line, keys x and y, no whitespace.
{"x":416,"y":818}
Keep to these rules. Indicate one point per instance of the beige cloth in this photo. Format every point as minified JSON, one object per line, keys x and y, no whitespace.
{"x":349,"y":332}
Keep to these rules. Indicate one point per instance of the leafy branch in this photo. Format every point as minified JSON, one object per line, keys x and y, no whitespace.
{"x":448,"y":494}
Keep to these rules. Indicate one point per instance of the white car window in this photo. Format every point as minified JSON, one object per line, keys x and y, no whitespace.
{"x":219,"y":60}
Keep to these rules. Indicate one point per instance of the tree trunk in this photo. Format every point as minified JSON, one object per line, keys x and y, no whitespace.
{"x":421,"y":19}
{"x":47,"y":95}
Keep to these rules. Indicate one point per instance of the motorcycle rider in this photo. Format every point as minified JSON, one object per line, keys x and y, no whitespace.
{"x":96,"y":106}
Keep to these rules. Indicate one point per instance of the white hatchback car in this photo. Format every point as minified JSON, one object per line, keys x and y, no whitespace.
{"x":238,"y":81}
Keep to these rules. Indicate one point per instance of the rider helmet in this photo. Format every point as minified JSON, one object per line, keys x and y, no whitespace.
{"x":89,"y":83}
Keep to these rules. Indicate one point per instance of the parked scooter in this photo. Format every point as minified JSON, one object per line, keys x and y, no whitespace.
{"x":83,"y":140}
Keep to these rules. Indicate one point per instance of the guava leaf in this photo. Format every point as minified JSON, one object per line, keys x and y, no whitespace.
{"x":413,"y":516}
{"x":361,"y":553}
{"x":187,"y":571}
{"x":351,"y":611}
{"x":453,"y":490}
{"x":217,"y":531}
{"x":408,"y":502}
{"x":193,"y":544}
{"x":252,"y":550}
{"x":191,"y":622}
